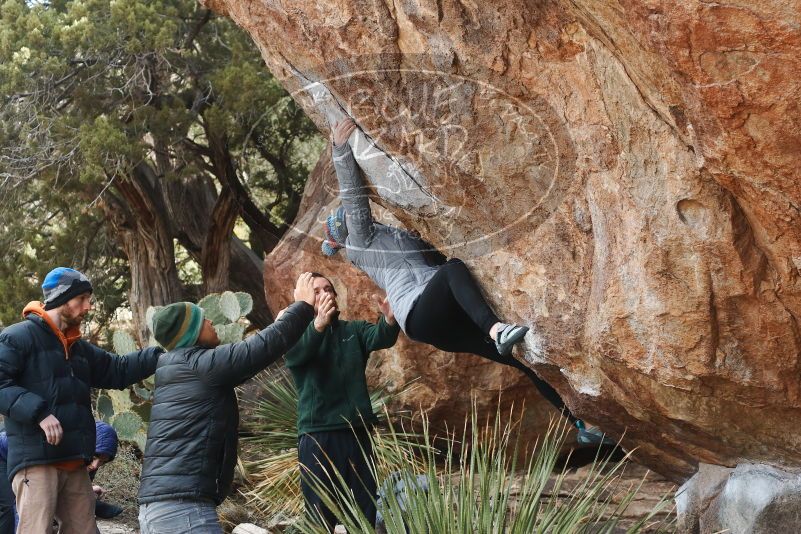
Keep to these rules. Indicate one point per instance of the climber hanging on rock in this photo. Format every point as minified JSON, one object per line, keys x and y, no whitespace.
{"x":434,"y":302}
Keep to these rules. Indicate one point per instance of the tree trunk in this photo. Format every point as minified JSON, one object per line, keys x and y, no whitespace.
{"x":247,"y":274}
{"x":215,"y":259}
{"x":137,"y":214}
{"x":188,"y":203}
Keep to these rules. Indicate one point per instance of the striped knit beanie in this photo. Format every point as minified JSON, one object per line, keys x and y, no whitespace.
{"x":177,"y":325}
{"x":63,"y":284}
{"x":335,"y":232}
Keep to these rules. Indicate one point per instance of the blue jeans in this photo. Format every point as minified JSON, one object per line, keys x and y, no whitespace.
{"x":179,"y":516}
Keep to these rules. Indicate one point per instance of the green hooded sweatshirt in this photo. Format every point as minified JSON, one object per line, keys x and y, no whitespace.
{"x":328,"y":368}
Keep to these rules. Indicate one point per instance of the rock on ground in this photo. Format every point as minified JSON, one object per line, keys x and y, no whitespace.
{"x":249,"y":528}
{"x":750,"y":499}
{"x":113,"y":527}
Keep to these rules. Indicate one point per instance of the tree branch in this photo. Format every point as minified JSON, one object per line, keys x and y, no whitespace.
{"x":225,"y":172}
{"x":196,"y":28}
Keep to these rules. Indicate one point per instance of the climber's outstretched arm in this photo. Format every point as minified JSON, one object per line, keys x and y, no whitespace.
{"x":352,"y":190}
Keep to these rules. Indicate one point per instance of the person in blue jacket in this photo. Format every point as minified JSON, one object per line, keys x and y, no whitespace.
{"x":105,"y":451}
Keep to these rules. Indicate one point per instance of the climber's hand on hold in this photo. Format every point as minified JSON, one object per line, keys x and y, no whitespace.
{"x":342,"y":131}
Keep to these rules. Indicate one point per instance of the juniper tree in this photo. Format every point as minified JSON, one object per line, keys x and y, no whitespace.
{"x":160,"y":121}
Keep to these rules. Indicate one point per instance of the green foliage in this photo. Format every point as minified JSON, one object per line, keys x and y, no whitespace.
{"x":46,"y":231}
{"x":484,"y":489}
{"x":97,"y":82}
{"x":92,"y":90}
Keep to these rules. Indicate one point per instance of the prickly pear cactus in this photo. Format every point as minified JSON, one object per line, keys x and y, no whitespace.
{"x":105,"y":407}
{"x":123,"y":342}
{"x":245,"y":303}
{"x":226,"y":312}
{"x":130,"y":427}
{"x":230,"y":306}
{"x":128,"y":410}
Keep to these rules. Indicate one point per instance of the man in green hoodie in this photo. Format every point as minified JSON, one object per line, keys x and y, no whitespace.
{"x":334,"y":410}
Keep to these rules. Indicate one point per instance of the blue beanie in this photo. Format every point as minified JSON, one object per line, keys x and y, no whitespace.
{"x":62,"y":284}
{"x":335,"y":232}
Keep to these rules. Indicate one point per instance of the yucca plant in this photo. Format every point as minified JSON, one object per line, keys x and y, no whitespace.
{"x":477,"y":485}
{"x":271,"y":436}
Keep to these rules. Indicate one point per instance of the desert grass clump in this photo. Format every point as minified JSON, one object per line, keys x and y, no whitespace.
{"x":479,"y":484}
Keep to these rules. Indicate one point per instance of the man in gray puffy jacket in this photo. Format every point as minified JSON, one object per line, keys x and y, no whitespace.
{"x":192,"y":438}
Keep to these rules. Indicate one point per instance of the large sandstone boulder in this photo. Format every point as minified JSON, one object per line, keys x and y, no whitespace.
{"x":621,"y":175}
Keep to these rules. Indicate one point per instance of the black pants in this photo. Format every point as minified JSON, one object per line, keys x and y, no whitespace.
{"x":350,"y":454}
{"x":452,"y":315}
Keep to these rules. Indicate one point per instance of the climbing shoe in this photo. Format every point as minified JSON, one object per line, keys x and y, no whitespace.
{"x":106,"y":510}
{"x":592,"y":435}
{"x":506,"y":337}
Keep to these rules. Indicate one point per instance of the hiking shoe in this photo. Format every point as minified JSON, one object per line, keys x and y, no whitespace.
{"x":106,"y":510}
{"x":507,"y":336}
{"x":592,"y":435}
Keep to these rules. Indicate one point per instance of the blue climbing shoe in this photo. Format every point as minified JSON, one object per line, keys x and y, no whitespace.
{"x":507,"y":336}
{"x":592,"y":435}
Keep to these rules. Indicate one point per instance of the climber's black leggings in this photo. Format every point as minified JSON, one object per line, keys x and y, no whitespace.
{"x":452,"y":315}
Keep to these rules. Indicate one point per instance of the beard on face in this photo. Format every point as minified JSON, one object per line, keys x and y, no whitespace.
{"x":70,"y":320}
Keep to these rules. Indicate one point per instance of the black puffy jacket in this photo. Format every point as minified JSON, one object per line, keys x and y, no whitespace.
{"x":37,"y":380}
{"x":194,"y":424}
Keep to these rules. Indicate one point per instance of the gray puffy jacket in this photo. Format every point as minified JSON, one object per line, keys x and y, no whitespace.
{"x":398,"y":261}
{"x":194,"y":424}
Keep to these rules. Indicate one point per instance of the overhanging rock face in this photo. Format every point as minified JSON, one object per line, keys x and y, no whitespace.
{"x":622,"y":176}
